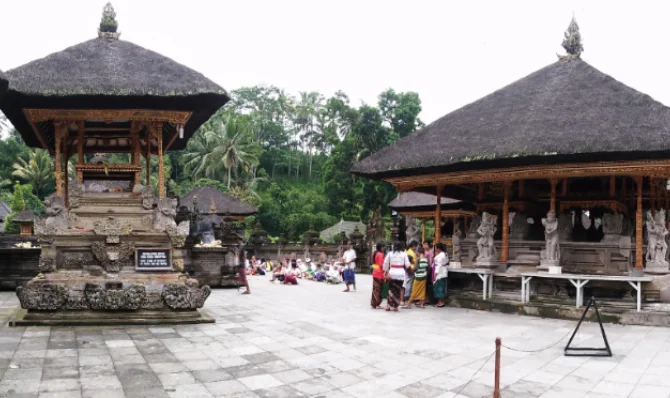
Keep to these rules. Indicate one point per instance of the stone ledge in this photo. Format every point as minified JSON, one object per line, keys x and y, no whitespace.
{"x":104,"y":318}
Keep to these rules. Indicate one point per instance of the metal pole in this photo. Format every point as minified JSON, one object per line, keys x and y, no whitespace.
{"x":496,"y":385}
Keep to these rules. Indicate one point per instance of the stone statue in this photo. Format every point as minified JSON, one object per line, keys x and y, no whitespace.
{"x":380,"y":232}
{"x":413,"y":232}
{"x":565,"y":227}
{"x":474,"y":226}
{"x":165,"y":214}
{"x":485,"y":244}
{"x":56,"y":212}
{"x":456,"y":242}
{"x":148,"y":198}
{"x":76,"y":193}
{"x":519,"y":227}
{"x":551,"y":253}
{"x":612,"y":227}
{"x":657,"y":247}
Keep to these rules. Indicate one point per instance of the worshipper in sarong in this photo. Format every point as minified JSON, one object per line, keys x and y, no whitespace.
{"x":395,"y":264}
{"x":420,"y":277}
{"x":428,"y":247}
{"x":240,"y":264}
{"x":290,"y":277}
{"x":333,"y":276}
{"x":320,"y":274}
{"x":440,"y":284}
{"x":409,"y":273}
{"x":278,"y":273}
{"x":377,"y":277}
{"x":349,"y":260}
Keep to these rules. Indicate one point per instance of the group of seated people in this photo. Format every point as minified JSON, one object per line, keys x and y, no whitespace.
{"x":289,"y":271}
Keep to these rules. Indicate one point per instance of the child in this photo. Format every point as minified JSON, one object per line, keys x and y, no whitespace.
{"x":420,"y":277}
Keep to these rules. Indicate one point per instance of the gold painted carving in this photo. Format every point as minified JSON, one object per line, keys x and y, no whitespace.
{"x":107,"y":115}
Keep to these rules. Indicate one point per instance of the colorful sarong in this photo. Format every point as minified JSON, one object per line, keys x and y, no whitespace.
{"x":440,"y":288}
{"x":320,"y":276}
{"x":242,"y":275}
{"x":289,"y":279}
{"x":349,"y":276}
{"x":377,"y":287}
{"x":418,"y":290}
{"x":409,"y":281}
{"x":393,"y":299}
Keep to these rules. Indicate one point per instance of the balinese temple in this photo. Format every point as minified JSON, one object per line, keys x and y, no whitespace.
{"x":119,"y":253}
{"x":581,"y":159}
{"x":209,"y":200}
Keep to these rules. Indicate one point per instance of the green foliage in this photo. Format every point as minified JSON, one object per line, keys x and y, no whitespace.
{"x":36,"y":171}
{"x":17,"y":205}
{"x":108,"y":22}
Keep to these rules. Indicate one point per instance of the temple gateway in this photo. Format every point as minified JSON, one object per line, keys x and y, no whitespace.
{"x":566,"y":170}
{"x":111,"y":250}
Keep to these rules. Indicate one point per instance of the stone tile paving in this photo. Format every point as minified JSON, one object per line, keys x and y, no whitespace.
{"x":312,"y":340}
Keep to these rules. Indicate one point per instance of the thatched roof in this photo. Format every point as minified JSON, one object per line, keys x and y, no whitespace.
{"x":567,"y":111}
{"x":108,"y":73}
{"x":3,"y":83}
{"x":25,"y":216}
{"x":4,"y":210}
{"x":418,"y":199}
{"x":347,"y":227}
{"x":211,"y":200}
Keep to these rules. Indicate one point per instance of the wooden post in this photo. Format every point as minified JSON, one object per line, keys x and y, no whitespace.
{"x":60,"y":127}
{"x":148,"y":165}
{"x":564,"y":188}
{"x":496,"y":376}
{"x":638,"y":224}
{"x":522,"y":189}
{"x":612,"y":186}
{"x":624,"y":192}
{"x":480,"y":192}
{"x":161,"y":176}
{"x":423,"y":230}
{"x":80,"y":151}
{"x":135,"y":146}
{"x":505,"y":224}
{"x":552,"y":199}
{"x":438,"y":215}
{"x":652,"y":195}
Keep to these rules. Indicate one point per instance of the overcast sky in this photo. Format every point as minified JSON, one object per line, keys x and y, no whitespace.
{"x":450,"y":52}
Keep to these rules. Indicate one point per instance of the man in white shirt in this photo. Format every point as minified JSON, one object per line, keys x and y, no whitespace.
{"x":349,"y":260}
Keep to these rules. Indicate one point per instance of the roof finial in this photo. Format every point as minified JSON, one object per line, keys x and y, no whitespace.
{"x":572,"y":41}
{"x":108,"y":24}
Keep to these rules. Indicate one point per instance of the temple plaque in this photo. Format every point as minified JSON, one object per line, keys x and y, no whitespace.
{"x":153,"y":259}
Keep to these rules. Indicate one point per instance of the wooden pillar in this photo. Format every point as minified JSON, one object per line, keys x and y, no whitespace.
{"x":80,"y":151}
{"x":423,"y":230}
{"x":135,"y":145}
{"x":61,"y":127}
{"x":438,"y":215}
{"x":552,"y":198}
{"x":638,"y":224}
{"x":652,"y":195}
{"x":564,"y":188}
{"x":505,"y":224}
{"x":522,"y":189}
{"x":480,"y":192}
{"x":161,"y":176}
{"x":148,"y":165}
{"x":612,"y":186}
{"x":624,"y":192}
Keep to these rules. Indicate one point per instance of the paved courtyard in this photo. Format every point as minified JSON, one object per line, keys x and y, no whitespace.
{"x":312,"y":340}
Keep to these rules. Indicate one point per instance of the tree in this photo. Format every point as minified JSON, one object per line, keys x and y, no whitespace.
{"x":400,"y":111}
{"x":37,"y":170}
{"x":18,"y":204}
{"x":236,"y":149}
{"x":572,"y":40}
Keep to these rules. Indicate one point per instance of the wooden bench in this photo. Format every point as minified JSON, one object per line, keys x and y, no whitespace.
{"x":485,"y":274}
{"x":579,"y":281}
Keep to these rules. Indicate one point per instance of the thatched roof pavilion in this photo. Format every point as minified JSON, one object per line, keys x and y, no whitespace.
{"x":568,"y":125}
{"x":211,"y":200}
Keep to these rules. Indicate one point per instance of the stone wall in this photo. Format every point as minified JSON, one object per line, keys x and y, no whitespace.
{"x":17,"y":266}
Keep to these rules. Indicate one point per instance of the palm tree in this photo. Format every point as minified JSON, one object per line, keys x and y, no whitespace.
{"x":236,"y":147}
{"x":37,"y":171}
{"x":198,"y":152}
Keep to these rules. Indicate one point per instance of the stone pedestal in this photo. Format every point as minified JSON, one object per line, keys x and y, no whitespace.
{"x":455,"y":264}
{"x":657,"y":268}
{"x":486,"y":264}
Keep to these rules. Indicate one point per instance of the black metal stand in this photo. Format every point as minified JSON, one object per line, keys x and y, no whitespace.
{"x":589,"y":351}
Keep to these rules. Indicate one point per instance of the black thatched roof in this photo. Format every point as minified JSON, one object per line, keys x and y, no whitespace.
{"x":106,"y":73}
{"x":418,"y":199}
{"x":223,"y":203}
{"x":3,"y":83}
{"x":566,"y":111}
{"x":25,"y":216}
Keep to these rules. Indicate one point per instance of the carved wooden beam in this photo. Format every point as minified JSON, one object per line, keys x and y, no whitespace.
{"x":107,"y":115}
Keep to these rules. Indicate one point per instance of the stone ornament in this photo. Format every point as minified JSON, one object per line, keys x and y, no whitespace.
{"x":485,"y":244}
{"x":43,"y":297}
{"x":113,"y":257}
{"x":76,"y":194}
{"x":112,"y":228}
{"x":412,"y":232}
{"x":46,"y":264}
{"x":184,"y":296}
{"x":456,"y":242}
{"x":179,"y":233}
{"x":551,"y":254}
{"x":657,"y":246}
{"x":56,"y":212}
{"x":165,"y":214}
{"x":100,"y":299}
{"x":147,"y":197}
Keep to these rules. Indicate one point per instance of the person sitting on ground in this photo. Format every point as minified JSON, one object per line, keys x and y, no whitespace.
{"x":260,"y":268}
{"x":304,"y":268}
{"x":333,"y":276}
{"x":289,"y":276}
{"x":278,"y":273}
{"x":320,"y":274}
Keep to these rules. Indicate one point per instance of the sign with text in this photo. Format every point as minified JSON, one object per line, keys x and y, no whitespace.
{"x":153,"y":259}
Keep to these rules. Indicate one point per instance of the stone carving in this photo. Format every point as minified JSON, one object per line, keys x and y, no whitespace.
{"x":76,"y":302}
{"x":565,"y":227}
{"x":76,"y":193}
{"x":44,"y":233}
{"x":178,"y":234}
{"x":474,"y":226}
{"x":99,"y":298}
{"x":55,"y":212}
{"x":380,"y":232}
{"x":43,"y":297}
{"x":657,"y":246}
{"x":178,"y":264}
{"x":185,"y":296}
{"x":165,"y":214}
{"x":485,"y":244}
{"x":77,"y":259}
{"x":456,"y":242}
{"x":46,"y":264}
{"x":147,"y":198}
{"x":550,"y":256}
{"x":112,"y":228}
{"x":113,"y":257}
{"x":412,"y":232}
{"x":612,"y":227}
{"x":519,"y":228}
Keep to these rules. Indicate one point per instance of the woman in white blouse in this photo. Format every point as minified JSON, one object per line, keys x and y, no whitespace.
{"x":441,"y":262}
{"x":395,"y":264}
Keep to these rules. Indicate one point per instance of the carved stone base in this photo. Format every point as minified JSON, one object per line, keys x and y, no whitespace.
{"x":544,"y":263}
{"x":486,"y":264}
{"x":108,"y":318}
{"x":657,"y":268}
